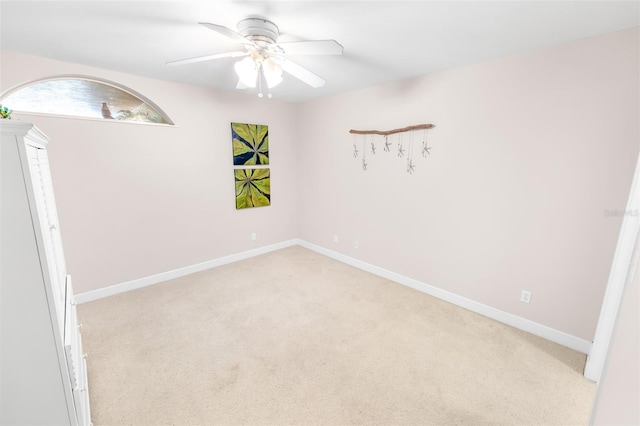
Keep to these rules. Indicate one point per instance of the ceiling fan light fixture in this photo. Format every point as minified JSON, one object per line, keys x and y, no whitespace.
{"x":273,"y":81}
{"x":272,"y":72}
{"x":247,"y":71}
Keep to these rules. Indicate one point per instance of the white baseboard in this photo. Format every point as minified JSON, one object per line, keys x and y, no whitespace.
{"x":515,"y":321}
{"x":529,"y":326}
{"x":100,"y":293}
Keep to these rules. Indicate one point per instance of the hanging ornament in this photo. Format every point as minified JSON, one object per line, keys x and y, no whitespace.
{"x":355,"y":148}
{"x":425,"y":148}
{"x":410,"y":165}
{"x":387,"y":144}
{"x":400,"y":148}
{"x":364,"y":153}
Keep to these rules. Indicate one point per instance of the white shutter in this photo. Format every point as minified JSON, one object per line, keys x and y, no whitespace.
{"x":55,"y":263}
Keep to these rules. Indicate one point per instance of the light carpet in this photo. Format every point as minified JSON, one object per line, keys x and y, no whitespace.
{"x":295,"y":338}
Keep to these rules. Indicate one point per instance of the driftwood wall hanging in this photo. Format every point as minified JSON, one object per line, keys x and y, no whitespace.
{"x":405,"y":143}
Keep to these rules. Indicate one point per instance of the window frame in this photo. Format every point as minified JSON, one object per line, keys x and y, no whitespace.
{"x":118,"y":86}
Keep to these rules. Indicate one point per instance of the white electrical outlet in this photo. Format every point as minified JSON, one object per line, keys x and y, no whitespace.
{"x":335,"y":238}
{"x":356,"y":245}
{"x":525,"y":296}
{"x":253,"y":236}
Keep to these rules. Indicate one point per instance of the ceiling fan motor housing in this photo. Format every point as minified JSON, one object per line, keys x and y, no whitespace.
{"x":258,"y":30}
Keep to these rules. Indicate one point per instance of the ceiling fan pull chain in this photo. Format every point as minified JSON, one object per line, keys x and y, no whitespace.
{"x":260,"y":75}
{"x":269,"y":95}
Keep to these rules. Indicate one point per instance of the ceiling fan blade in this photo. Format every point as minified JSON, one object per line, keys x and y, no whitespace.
{"x":312,"y":47}
{"x":228,"y":33}
{"x":301,"y":73}
{"x":208,"y":58}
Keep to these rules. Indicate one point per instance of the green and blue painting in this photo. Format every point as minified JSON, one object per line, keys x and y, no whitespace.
{"x":253,"y":188}
{"x":250,"y":144}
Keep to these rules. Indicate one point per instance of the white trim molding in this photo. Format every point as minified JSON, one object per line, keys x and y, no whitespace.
{"x":100,"y":293}
{"x":515,"y":321}
{"x":622,"y":269}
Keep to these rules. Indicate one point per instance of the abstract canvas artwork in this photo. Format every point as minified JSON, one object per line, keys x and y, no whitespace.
{"x":250,"y":144}
{"x":251,"y":148}
{"x":253,"y":187}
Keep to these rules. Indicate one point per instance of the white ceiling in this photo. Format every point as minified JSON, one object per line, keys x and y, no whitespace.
{"x":383,"y":40}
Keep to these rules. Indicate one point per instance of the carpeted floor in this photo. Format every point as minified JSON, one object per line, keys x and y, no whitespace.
{"x":295,"y":338}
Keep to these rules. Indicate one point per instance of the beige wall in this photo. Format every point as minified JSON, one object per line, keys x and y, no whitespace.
{"x":528,"y":153}
{"x":138,"y":200}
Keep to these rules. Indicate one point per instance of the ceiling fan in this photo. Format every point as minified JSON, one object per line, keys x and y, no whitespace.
{"x":265,"y":58}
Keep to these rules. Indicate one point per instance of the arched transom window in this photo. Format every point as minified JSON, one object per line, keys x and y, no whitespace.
{"x":87,"y":97}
